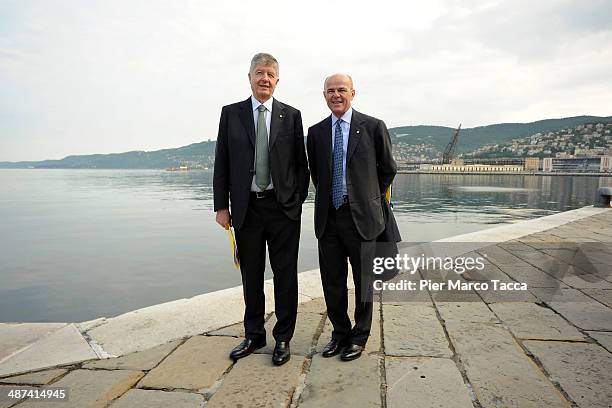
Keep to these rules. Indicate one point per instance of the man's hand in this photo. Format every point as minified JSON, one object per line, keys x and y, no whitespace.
{"x":224,"y":218}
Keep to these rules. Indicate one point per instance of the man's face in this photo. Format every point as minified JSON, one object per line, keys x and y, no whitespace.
{"x":338,"y":94}
{"x":263,"y":81}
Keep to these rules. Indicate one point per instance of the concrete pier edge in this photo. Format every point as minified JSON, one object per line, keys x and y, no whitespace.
{"x":45,"y":345}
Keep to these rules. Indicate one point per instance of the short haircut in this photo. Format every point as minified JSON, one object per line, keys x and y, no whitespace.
{"x":339,"y":73}
{"x":264,"y":59}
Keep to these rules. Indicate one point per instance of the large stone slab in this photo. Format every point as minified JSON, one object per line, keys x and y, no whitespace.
{"x":5,"y":400}
{"x":158,"y":399}
{"x":255,"y":382}
{"x":425,"y":382}
{"x":91,"y":389}
{"x":195,"y":365}
{"x":499,"y":371}
{"x":149,"y":327}
{"x":489,"y":272}
{"x":515,"y":246}
{"x":586,"y":315}
{"x":334,"y":383}
{"x":532,"y":321}
{"x":37,"y":378}
{"x":603,"y":338}
{"x":560,"y":295}
{"x":141,"y":360}
{"x":603,"y":296}
{"x":583,"y":370}
{"x":63,"y":346}
{"x":542,"y":261}
{"x":313,"y":306}
{"x":468,"y":312}
{"x":413,"y":330}
{"x":234,"y":330}
{"x":16,"y":336}
{"x":603,"y":271}
{"x":494,"y":296}
{"x":303,"y":338}
{"x":578,"y":279}
{"x":532,"y":276}
{"x":309,"y":284}
{"x":499,"y":256}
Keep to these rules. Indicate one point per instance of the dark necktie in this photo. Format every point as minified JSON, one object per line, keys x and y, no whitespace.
{"x":337,"y":196}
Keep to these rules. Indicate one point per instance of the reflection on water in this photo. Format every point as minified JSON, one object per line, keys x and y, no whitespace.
{"x":80,"y":244}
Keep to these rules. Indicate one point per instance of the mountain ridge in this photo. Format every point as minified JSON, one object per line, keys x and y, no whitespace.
{"x":201,"y":154}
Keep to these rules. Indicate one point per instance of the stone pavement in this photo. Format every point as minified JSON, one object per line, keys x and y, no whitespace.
{"x":550,"y":347}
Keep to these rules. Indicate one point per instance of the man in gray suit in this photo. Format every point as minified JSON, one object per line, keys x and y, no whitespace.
{"x":351,"y":166}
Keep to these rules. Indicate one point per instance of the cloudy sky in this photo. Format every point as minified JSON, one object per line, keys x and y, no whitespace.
{"x":102,"y":76}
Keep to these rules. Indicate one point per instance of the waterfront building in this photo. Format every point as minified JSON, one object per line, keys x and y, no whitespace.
{"x":577,"y":164}
{"x":532,"y":164}
{"x":476,"y":168}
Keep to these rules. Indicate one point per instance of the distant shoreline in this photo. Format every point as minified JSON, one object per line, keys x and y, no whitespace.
{"x":505,"y":173}
{"x":464,"y":173}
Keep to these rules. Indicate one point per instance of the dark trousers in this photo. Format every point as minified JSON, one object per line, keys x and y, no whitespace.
{"x":265,"y":222}
{"x":339,"y":242}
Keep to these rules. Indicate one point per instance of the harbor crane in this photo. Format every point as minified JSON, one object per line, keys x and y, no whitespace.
{"x":449,"y":152}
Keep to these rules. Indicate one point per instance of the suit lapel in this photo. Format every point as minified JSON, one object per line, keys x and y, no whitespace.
{"x":354,"y":135}
{"x":278,"y":115}
{"x":327,"y":144}
{"x":246,"y":117}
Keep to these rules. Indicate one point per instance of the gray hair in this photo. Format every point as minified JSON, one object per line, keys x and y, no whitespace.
{"x":264,"y":59}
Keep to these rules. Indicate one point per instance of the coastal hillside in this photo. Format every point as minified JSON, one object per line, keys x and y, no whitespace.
{"x":433,"y":139}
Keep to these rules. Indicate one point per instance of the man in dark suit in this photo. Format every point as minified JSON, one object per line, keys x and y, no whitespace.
{"x":351,"y":167}
{"x":266,"y":180}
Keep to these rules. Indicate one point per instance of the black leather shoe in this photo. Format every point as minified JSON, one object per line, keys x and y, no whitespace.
{"x":245,"y":348}
{"x":282,"y":353}
{"x":332,"y":348}
{"x":351,"y":352}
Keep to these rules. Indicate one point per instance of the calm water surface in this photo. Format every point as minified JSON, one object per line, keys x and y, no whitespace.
{"x":80,"y":244}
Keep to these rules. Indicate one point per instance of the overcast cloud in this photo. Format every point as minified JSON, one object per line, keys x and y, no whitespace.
{"x":81,"y":77}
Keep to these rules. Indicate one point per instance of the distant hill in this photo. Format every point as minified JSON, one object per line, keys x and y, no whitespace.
{"x":202,"y":154}
{"x":196,"y":154}
{"x":473,"y":138}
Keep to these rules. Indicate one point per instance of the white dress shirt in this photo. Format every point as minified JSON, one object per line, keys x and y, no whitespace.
{"x":345,"y":125}
{"x":268,"y":105}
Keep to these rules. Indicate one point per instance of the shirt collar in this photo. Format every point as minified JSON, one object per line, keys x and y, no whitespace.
{"x":346,"y":117}
{"x":255,"y":103}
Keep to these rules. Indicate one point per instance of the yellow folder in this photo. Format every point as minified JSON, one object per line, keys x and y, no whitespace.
{"x":234,"y":247}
